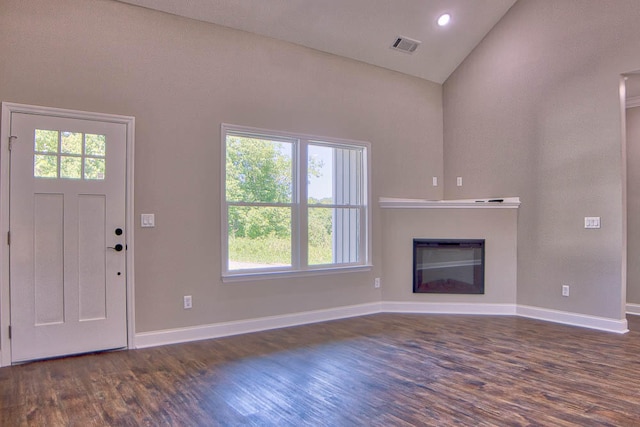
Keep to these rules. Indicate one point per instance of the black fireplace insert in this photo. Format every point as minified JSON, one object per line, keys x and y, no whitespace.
{"x":448,"y":266}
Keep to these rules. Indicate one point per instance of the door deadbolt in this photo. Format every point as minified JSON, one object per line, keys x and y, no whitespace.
{"x":118,"y":231}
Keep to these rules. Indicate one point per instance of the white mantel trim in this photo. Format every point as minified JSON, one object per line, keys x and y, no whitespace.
{"x":395,"y":203}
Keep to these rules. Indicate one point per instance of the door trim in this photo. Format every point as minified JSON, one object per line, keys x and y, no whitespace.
{"x":5,"y":303}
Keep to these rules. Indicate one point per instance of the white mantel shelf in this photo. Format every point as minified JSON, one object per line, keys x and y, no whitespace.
{"x":492,"y":203}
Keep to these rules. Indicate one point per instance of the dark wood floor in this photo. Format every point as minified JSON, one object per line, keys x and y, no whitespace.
{"x":384,"y":369}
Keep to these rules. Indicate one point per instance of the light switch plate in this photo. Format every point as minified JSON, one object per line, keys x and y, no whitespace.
{"x":147,"y":220}
{"x":591,"y":222}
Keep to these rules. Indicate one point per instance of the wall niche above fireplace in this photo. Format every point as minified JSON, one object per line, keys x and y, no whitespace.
{"x":448,"y":266}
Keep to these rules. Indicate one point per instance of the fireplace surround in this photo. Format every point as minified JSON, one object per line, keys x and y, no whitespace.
{"x":448,"y":266}
{"x":406,"y":219}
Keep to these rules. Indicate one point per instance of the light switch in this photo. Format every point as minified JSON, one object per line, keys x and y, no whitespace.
{"x":591,"y":222}
{"x":147,"y":220}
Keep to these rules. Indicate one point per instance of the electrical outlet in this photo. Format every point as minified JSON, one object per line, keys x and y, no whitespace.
{"x":376,"y":283}
{"x":565,"y":290}
{"x":434,"y":181}
{"x":188,"y":302}
{"x":459,"y":181}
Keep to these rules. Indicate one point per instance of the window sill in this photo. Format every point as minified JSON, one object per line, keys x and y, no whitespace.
{"x":266,"y":275}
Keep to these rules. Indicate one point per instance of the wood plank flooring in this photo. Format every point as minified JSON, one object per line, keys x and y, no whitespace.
{"x":378,"y":370}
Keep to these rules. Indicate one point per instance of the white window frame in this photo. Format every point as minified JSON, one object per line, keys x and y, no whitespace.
{"x":299,"y":205}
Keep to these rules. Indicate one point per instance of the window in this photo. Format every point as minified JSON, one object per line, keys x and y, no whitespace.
{"x":68,"y":155}
{"x":292,"y":203}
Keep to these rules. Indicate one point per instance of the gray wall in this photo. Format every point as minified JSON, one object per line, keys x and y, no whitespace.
{"x":534,"y":111}
{"x":181,"y":79}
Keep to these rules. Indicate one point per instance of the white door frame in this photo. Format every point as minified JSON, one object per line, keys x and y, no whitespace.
{"x":5,"y":302}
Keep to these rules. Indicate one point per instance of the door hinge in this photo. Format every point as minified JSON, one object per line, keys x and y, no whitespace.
{"x":8,"y":238}
{"x":9,"y":331}
{"x":11,"y":138}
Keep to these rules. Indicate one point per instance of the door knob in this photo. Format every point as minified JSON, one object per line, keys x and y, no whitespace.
{"x":117,"y":247}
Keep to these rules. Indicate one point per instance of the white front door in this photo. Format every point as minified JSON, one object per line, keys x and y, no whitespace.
{"x":67,"y":236}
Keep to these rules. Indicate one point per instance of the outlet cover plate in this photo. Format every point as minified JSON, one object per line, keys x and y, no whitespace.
{"x":147,"y":220}
{"x":187,"y":302}
{"x":591,"y":222}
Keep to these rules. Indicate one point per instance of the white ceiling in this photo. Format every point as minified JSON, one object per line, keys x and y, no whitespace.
{"x":360,"y":29}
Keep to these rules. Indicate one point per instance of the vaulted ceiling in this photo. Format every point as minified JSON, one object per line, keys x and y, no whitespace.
{"x":359,"y":29}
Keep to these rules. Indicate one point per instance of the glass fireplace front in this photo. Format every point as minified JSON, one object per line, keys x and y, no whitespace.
{"x":448,"y":266}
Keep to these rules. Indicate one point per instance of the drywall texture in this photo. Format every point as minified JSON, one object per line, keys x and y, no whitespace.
{"x":534,"y":111}
{"x":633,"y":205}
{"x":181,"y":79}
{"x":496,"y":226}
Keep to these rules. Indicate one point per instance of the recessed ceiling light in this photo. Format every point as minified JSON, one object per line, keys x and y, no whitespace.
{"x":444,"y":19}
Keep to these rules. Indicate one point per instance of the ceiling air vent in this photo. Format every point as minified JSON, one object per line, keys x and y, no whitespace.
{"x":405,"y":44}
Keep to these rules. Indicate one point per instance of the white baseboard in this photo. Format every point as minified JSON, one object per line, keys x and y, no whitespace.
{"x":574,"y":319}
{"x":633,"y":308}
{"x":217,"y":330}
{"x":448,"y":308}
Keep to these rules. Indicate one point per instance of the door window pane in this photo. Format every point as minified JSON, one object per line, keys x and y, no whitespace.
{"x":46,"y":141}
{"x":45,"y":166}
{"x":95,"y":145}
{"x":70,"y":167}
{"x":71,"y":143}
{"x":94,"y":168}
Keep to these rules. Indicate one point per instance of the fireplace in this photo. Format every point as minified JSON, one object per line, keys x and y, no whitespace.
{"x":448,"y":266}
